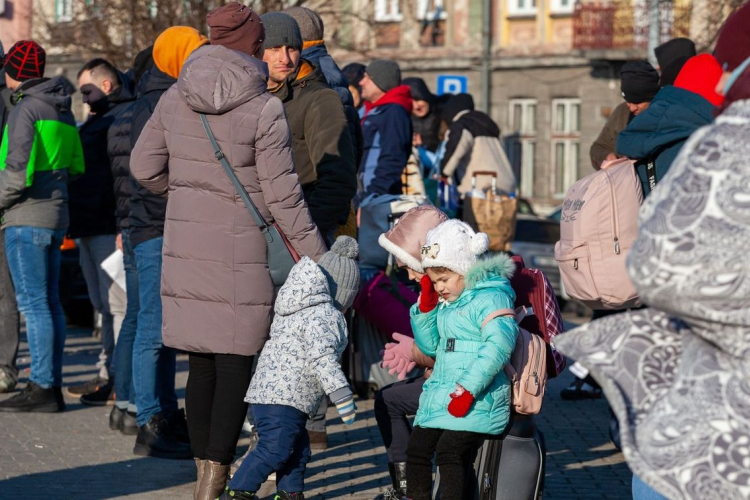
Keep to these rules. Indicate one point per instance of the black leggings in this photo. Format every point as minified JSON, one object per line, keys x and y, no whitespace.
{"x":215,"y":404}
{"x":453,"y":451}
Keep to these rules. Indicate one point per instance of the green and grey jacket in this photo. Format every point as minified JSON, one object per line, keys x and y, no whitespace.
{"x":40,"y":149}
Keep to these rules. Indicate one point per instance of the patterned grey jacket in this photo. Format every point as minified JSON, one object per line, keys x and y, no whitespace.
{"x":678,"y":374}
{"x":300,"y":362}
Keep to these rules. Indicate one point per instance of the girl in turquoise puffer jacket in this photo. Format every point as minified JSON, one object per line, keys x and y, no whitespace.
{"x":464,"y":319}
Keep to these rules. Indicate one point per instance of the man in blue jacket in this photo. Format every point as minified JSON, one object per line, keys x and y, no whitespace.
{"x":386,"y":129}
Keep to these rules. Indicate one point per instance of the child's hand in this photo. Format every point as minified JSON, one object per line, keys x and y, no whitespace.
{"x":347,"y":409}
{"x":428,"y":299}
{"x":461,"y":401}
{"x":397,"y":356}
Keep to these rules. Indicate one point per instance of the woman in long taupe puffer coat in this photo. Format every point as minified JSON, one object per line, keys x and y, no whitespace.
{"x":217,"y":293}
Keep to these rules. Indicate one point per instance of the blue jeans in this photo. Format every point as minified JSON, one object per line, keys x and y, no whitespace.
{"x":34,"y":262}
{"x":283,"y":447}
{"x":154,"y":365}
{"x":124,"y":385}
{"x":641,"y":491}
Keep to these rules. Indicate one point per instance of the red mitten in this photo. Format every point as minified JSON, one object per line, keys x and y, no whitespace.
{"x":461,"y":401}
{"x":428,"y":299}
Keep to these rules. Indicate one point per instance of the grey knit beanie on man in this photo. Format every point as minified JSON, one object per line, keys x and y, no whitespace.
{"x":385,"y":74}
{"x":281,"y":30}
{"x":339,"y":265}
{"x":309,"y":22}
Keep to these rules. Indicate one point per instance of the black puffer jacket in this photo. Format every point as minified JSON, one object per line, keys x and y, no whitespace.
{"x":92,"y":195}
{"x":118,"y":149}
{"x":147,"y":210}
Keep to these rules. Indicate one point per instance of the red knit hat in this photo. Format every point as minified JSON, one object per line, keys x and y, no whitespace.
{"x":25,"y":61}
{"x":733,"y":44}
{"x":700,"y":75}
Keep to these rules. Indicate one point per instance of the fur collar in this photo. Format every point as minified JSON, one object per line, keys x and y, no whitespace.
{"x":489,"y":266}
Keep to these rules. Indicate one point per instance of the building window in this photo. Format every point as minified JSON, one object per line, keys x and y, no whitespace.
{"x":388,"y":11}
{"x":566,"y":143}
{"x":522,"y":147}
{"x":522,"y":7}
{"x":563,"y":6}
{"x":431,"y":10}
{"x":63,"y":11}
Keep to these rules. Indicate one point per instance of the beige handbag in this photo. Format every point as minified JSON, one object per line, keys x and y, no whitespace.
{"x":494,"y":213}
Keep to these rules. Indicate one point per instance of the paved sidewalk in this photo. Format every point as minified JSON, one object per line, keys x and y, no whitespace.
{"x":74,"y":455}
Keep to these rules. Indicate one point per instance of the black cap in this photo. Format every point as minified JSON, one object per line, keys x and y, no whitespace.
{"x":419,"y":89}
{"x":354,"y":72}
{"x":670,"y":71}
{"x":674,"y":49}
{"x":455,"y":105}
{"x":639,"y":82}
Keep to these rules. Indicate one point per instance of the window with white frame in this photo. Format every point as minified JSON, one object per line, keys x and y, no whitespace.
{"x":522,"y":7}
{"x":566,"y":143}
{"x":63,"y":11}
{"x":522,"y":122}
{"x":563,"y":6}
{"x":388,"y":11}
{"x":431,"y":10}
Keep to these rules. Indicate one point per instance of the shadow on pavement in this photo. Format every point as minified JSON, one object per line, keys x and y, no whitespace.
{"x":112,"y":480}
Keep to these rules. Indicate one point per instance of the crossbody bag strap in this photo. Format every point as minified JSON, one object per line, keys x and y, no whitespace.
{"x":259,"y":220}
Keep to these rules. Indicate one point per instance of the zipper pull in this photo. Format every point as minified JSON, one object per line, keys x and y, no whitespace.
{"x":536,"y":379}
{"x":617,"y":246}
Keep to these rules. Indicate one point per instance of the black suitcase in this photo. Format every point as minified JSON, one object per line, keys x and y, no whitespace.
{"x":507,"y":467}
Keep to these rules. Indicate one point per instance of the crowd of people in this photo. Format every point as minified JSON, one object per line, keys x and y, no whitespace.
{"x":257,"y":115}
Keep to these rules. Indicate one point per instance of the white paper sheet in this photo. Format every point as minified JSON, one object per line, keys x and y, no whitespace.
{"x":114,"y":266}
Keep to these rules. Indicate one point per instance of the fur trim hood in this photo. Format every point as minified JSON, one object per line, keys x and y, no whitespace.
{"x":488,"y":267}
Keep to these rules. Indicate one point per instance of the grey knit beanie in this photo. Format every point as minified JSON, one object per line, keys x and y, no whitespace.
{"x":339,"y":265}
{"x":386,"y":74}
{"x":309,"y":22}
{"x":281,"y":29}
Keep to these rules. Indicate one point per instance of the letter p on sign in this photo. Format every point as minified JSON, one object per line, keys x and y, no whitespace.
{"x":452,"y":84}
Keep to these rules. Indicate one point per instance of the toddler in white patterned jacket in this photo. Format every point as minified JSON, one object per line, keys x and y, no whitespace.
{"x":299,"y":365}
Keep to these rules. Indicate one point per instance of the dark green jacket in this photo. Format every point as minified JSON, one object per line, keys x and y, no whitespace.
{"x":40,"y":149}
{"x":322,"y":147}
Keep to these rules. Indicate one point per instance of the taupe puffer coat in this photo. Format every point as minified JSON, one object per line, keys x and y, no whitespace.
{"x":216,"y":291}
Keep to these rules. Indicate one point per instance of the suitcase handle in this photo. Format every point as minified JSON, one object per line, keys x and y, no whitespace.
{"x":484,"y":172}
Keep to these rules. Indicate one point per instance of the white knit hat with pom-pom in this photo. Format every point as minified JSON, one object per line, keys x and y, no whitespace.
{"x":455,"y":246}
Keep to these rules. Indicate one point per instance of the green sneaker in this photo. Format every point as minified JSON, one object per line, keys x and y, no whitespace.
{"x":283,"y":495}
{"x":7,"y":383}
{"x":237,"y":495}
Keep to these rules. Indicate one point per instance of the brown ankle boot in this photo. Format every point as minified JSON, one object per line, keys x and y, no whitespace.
{"x":214,"y":481}
{"x":199,"y":467}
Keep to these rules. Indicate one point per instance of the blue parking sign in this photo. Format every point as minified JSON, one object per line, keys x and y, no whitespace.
{"x":452,"y":84}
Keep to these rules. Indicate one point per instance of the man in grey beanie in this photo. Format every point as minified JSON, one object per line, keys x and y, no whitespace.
{"x":314,"y":50}
{"x":322,"y":145}
{"x":386,"y":128}
{"x":9,"y":320}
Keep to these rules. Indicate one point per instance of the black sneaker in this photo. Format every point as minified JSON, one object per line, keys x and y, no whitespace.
{"x":580,"y":389}
{"x":155,"y":440}
{"x":115,"y":418}
{"x":59,"y":396}
{"x":178,"y":426}
{"x":33,"y":399}
{"x":92,"y":385}
{"x":103,"y":396}
{"x":129,"y":425}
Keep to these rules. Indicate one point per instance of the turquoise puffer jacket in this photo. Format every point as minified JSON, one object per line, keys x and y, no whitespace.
{"x":468,"y":354}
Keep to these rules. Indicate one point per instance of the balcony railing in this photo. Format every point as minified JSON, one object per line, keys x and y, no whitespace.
{"x":624,"y":25}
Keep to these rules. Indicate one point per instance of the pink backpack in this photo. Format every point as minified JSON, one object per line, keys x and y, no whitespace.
{"x":527,"y":368}
{"x":598,"y":226}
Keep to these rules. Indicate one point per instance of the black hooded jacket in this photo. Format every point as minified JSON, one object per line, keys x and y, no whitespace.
{"x":147,"y":210}
{"x":92,"y":203}
{"x":428,"y":127}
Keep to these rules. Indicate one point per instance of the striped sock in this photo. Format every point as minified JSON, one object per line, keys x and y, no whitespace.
{"x":346,"y":408}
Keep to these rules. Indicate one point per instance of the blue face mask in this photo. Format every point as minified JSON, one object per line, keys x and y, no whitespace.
{"x":735,"y":75}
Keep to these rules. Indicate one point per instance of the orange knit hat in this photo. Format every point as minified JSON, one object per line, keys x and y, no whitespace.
{"x":174,"y":46}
